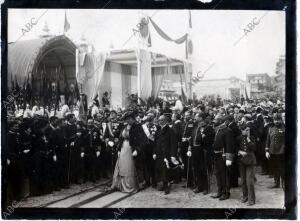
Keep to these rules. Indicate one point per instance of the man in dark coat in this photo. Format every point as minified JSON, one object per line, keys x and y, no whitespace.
{"x":164,"y":151}
{"x":223,"y":150}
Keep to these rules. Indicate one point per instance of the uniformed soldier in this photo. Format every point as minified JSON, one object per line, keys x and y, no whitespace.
{"x":247,"y":161}
{"x":113,"y":134}
{"x":275,"y":147}
{"x":70,"y":135}
{"x":41,"y":167}
{"x":186,"y":136}
{"x":12,"y":166}
{"x":62,"y":152}
{"x":208,"y":135}
{"x":196,"y":152}
{"x":26,"y":151}
{"x":52,"y":160}
{"x":92,"y":150}
{"x":223,"y":151}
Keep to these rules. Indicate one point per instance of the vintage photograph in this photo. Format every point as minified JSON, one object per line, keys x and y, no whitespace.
{"x":119,"y":108}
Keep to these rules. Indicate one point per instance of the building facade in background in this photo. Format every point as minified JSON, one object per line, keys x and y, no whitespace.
{"x":259,"y":84}
{"x":280,"y":76}
{"x":229,"y":88}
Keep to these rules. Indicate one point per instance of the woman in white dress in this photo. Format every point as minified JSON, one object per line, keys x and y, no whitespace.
{"x":125,"y":175}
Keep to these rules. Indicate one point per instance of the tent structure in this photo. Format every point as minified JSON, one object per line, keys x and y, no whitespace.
{"x":130,"y":71}
{"x":41,"y":60}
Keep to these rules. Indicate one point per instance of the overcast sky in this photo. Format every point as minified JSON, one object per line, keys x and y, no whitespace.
{"x":214,"y":35}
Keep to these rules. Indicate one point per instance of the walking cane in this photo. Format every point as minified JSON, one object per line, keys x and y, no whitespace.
{"x":188,"y":170}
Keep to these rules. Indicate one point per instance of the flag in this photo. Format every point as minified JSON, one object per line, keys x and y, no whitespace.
{"x":247,"y":98}
{"x":67,"y":24}
{"x":189,"y":42}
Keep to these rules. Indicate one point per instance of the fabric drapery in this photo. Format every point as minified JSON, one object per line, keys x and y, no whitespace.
{"x":158,"y":74}
{"x":165,"y":36}
{"x":90,"y":69}
{"x":144,"y":73}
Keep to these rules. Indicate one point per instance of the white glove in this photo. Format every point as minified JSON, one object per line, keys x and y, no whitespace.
{"x":134,"y":153}
{"x":82,"y":155}
{"x":267,"y":155}
{"x":110,"y":143}
{"x":174,"y":161}
{"x":54,"y":158}
{"x":243,"y":153}
{"x":183,"y":139}
{"x":8,"y":162}
{"x":26,"y":151}
{"x":228,"y":163}
{"x":78,"y":134}
{"x":72,"y":144}
{"x":189,"y":153}
{"x":98,"y":153}
{"x":167,"y":163}
{"x":154,"y":156}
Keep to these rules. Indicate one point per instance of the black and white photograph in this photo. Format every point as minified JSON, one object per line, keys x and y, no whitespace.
{"x":120,"y":109}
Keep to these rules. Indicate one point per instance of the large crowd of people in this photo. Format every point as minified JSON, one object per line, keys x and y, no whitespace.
{"x":145,"y":145}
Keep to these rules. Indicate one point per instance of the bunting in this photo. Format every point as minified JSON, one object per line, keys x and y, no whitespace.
{"x":167,"y":37}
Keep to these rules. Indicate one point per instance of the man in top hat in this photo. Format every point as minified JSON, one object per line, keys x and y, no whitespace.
{"x":275,"y":147}
{"x":164,"y":151}
{"x":223,"y":151}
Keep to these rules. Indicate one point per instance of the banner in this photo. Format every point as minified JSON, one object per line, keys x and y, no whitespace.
{"x":165,"y":36}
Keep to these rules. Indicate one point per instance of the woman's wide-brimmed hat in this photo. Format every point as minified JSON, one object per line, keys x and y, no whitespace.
{"x":129,"y":113}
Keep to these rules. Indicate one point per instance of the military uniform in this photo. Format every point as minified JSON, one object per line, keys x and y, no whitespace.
{"x":92,"y":153}
{"x":246,"y":166}
{"x":70,"y":131}
{"x":199,"y":173}
{"x":12,"y":167}
{"x":208,"y":135}
{"x":186,"y":135}
{"x":275,"y":145}
{"x":223,"y":150}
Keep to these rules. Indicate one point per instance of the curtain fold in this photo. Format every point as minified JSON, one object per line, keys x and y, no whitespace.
{"x":144,"y":72}
{"x":158,"y":74}
{"x":165,"y":36}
